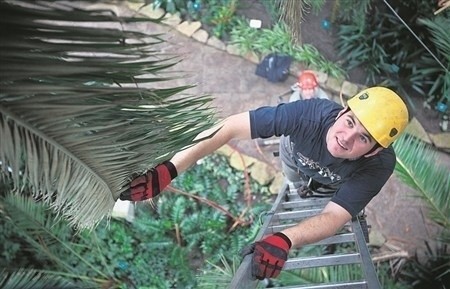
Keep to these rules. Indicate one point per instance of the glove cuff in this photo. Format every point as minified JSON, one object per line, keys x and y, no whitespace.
{"x":285,"y":238}
{"x":171,"y":168}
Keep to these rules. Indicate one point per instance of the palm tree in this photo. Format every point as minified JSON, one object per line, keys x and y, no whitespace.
{"x":418,"y":166}
{"x":80,"y":109}
{"x":291,"y":13}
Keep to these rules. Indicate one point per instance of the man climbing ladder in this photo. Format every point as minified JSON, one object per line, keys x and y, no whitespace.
{"x":344,"y":148}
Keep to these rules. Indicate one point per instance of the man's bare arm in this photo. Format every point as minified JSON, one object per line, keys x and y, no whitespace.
{"x":234,"y":127}
{"x":326,"y":224}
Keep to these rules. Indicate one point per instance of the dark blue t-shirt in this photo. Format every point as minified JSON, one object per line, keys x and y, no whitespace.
{"x":306,"y":122}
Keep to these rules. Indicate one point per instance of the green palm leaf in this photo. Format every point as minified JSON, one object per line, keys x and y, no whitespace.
{"x":32,"y":279}
{"x":418,"y":166}
{"x":439,"y":29}
{"x":85,"y":104}
{"x":46,"y":235}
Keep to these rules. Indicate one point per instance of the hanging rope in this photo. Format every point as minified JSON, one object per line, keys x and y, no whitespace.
{"x":417,"y":37}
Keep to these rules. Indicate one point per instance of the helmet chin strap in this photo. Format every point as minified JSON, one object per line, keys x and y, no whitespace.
{"x":341,"y":113}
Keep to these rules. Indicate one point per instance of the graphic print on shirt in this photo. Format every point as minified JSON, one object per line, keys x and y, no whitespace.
{"x":315,"y":166}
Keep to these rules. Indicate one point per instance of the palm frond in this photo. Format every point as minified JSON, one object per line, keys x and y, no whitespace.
{"x":418,"y":166}
{"x":219,"y":276}
{"x":85,"y":103}
{"x":440,"y":34}
{"x":32,"y":279}
{"x":46,"y":235}
{"x":439,"y":27}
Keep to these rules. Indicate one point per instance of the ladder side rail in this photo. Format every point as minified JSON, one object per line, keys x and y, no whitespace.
{"x":243,"y":278}
{"x":367,"y":265}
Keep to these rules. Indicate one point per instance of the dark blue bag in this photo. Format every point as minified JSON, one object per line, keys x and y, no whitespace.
{"x":274,"y":67}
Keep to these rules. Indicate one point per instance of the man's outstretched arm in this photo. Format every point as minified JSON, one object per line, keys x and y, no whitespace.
{"x":234,"y":127}
{"x":152,"y":183}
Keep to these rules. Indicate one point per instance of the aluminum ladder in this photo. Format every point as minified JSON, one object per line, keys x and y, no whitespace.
{"x":287,"y":211}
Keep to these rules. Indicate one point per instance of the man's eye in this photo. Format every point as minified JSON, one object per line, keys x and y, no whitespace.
{"x":363,"y":139}
{"x":349,"y":123}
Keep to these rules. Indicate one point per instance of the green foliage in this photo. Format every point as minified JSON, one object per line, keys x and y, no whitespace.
{"x":85,"y":112}
{"x":434,"y":272}
{"x":345,"y":11}
{"x":11,"y":245}
{"x":46,"y":243}
{"x":162,"y":248}
{"x":362,"y":46}
{"x":33,"y":279}
{"x":218,"y":276}
{"x":279,"y":40}
{"x":418,"y":166}
{"x":387,"y":281}
{"x":221,"y":16}
{"x":316,"y":5}
{"x":377,"y":40}
{"x":204,"y":227}
{"x":427,"y":76}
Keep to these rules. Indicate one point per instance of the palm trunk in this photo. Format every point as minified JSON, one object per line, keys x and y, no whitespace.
{"x":291,"y":12}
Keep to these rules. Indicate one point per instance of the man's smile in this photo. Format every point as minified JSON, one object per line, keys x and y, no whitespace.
{"x":341,"y":145}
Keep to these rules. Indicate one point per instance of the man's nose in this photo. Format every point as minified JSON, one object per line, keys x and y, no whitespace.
{"x":349,"y":137}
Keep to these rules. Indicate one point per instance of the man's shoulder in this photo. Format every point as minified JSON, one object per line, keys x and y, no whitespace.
{"x":318,"y":107}
{"x":384,"y":159}
{"x":323,"y":102}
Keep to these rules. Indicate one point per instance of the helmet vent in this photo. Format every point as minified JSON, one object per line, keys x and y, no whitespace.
{"x":393,"y":132}
{"x":364,"y":96}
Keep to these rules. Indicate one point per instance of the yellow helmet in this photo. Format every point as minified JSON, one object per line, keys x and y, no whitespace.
{"x":382,"y":113}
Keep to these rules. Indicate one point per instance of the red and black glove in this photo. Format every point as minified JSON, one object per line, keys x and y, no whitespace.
{"x":149,"y":185}
{"x":269,"y":255}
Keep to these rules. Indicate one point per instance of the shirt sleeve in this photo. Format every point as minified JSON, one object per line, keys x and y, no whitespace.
{"x":366,"y":183}
{"x":289,"y":118}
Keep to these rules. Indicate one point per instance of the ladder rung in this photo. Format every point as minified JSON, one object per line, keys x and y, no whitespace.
{"x":286,"y":211}
{"x":340,"y":285}
{"x":305,"y":203}
{"x":293,"y":195}
{"x":319,"y":261}
{"x":295,"y":215}
{"x":336,"y":239}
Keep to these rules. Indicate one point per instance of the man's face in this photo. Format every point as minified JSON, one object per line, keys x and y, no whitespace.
{"x":308,"y":93}
{"x":347,"y":138}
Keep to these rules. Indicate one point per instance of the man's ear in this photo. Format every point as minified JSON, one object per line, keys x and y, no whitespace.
{"x":344,"y":110}
{"x":374,"y":152}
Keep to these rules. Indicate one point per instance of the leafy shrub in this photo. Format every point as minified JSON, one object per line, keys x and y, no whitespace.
{"x":390,"y":53}
{"x":162,"y":248}
{"x":279,"y":40}
{"x":221,"y":16}
{"x":218,"y":15}
{"x":432,"y":273}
